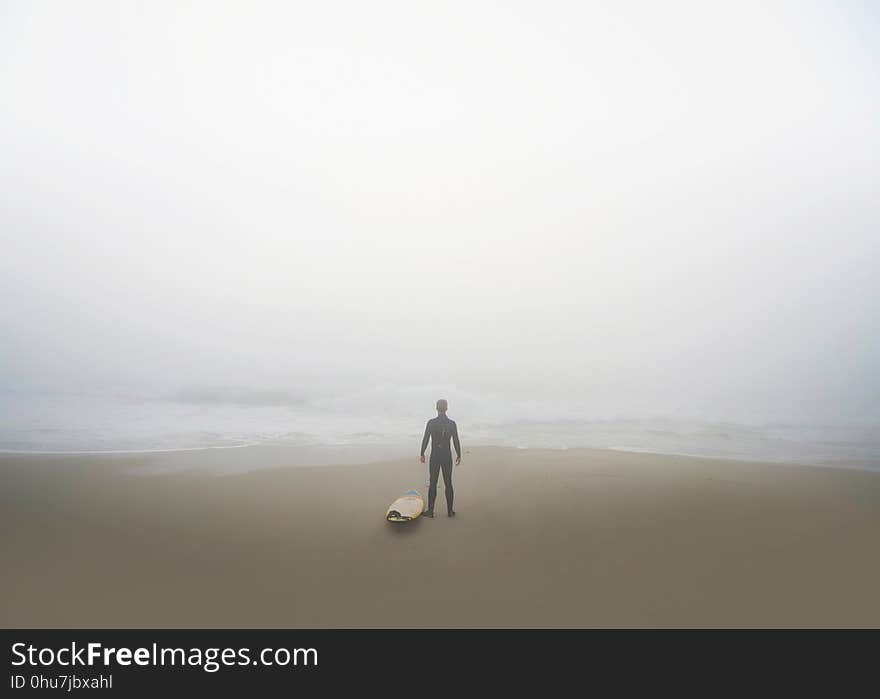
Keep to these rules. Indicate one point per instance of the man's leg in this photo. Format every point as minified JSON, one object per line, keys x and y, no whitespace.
{"x":447,"y":485}
{"x":433,"y":476}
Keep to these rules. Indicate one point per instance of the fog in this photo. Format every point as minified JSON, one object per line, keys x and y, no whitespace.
{"x":630,"y":208}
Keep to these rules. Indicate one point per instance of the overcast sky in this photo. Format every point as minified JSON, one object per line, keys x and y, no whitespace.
{"x":641,"y":206}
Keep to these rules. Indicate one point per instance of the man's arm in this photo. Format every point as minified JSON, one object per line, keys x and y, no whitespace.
{"x":425,"y":439}
{"x":456,"y":443}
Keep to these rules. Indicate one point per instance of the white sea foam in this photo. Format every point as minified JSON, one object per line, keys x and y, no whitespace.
{"x":107,"y":425}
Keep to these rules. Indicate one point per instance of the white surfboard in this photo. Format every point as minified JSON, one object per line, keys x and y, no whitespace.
{"x":407,"y":507}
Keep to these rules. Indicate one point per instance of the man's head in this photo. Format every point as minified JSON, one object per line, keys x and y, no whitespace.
{"x":441,"y":406}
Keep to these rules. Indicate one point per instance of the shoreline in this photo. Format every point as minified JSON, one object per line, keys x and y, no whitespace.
{"x":359,"y":452}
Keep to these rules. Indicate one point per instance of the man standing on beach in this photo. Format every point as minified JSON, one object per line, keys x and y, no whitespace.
{"x":440,"y":430}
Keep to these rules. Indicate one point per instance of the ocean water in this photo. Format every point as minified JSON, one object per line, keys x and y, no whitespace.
{"x":72,"y":423}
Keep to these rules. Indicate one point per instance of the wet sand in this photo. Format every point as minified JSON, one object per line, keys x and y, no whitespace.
{"x":575,"y":538}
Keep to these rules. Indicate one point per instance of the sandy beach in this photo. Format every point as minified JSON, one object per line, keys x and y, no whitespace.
{"x":543,"y":538}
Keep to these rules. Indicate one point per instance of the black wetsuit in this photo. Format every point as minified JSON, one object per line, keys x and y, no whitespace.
{"x":440,"y":430}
